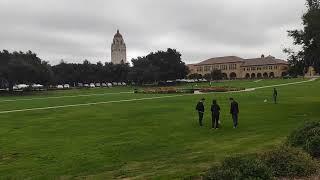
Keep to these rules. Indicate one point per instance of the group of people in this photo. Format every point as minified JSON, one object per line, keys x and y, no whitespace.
{"x":215,"y":111}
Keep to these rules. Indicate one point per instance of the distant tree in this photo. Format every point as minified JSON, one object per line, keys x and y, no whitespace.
{"x":309,"y":37}
{"x":214,"y":75}
{"x":195,"y":76}
{"x":159,"y":66}
{"x":296,"y":64}
{"x":20,"y":67}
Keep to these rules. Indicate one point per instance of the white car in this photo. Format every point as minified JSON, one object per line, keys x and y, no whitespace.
{"x":22,"y":86}
{"x":80,"y":85}
{"x":119,"y":84}
{"x":124,"y":84}
{"x":92,"y":85}
{"x":86,"y":85}
{"x":66,"y":86}
{"x":98,"y":85}
{"x":104,"y":85}
{"x":37,"y":86}
{"x":60,"y":87}
{"x":114,"y":83}
{"x":109,"y":84}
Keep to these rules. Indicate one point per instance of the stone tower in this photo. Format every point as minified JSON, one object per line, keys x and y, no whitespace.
{"x":118,"y":49}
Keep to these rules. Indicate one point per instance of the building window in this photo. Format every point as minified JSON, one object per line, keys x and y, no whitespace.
{"x":232,"y":66}
{"x":207,"y":68}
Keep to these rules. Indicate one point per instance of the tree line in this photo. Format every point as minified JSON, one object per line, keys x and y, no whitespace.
{"x":27,"y":67}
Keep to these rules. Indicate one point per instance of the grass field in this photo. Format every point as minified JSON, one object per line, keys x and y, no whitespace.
{"x":149,"y":138}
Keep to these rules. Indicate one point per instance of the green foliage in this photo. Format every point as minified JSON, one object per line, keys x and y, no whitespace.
{"x":307,"y":137}
{"x":309,"y":37}
{"x":313,"y":146}
{"x":239,"y":167}
{"x":195,"y":76}
{"x":287,"y":161}
{"x":158,"y":66}
{"x":20,"y":67}
{"x":214,"y":75}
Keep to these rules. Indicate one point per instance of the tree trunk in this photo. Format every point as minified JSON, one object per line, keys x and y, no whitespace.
{"x":10,"y":84}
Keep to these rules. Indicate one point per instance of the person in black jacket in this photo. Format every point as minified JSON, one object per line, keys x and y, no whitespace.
{"x":275,"y":95}
{"x":234,"y":111}
{"x":200,"y":109}
{"x":215,"y":114}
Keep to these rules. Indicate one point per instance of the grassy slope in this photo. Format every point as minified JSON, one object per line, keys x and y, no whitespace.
{"x":144,"y":138}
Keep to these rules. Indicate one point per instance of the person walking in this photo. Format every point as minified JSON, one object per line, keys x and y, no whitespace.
{"x":215,"y":114}
{"x":234,"y":111}
{"x":275,"y":95}
{"x":200,"y":109}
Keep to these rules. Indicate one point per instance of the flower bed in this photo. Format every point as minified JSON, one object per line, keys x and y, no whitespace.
{"x":174,"y":90}
{"x":219,"y":89}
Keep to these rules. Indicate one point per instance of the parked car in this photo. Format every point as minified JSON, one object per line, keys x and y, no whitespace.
{"x":66,"y":86}
{"x":119,"y":84}
{"x":86,"y":85}
{"x":114,"y":83}
{"x":124,"y":84}
{"x":21,"y":86}
{"x":80,"y":84}
{"x":92,"y":85}
{"x":60,"y":87}
{"x":98,"y":85}
{"x":104,"y":85}
{"x":109,"y":84}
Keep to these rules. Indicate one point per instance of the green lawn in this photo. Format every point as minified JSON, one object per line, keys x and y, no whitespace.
{"x":154,"y":138}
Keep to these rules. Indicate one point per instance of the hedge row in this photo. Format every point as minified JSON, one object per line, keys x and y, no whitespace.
{"x":289,"y":160}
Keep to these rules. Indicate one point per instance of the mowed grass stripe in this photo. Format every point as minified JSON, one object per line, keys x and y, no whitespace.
{"x":89,"y":104}
{"x":135,"y":99}
{"x":59,"y":97}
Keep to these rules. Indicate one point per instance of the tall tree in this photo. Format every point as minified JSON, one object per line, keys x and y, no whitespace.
{"x":309,"y":36}
{"x":20,"y":67}
{"x":159,"y":66}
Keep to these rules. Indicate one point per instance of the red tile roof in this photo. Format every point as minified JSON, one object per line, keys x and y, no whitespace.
{"x":221,"y":60}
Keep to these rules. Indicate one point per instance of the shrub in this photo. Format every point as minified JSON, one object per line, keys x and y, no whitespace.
{"x":288,"y":161}
{"x":307,"y":137}
{"x":313,"y":146}
{"x":239,"y":167}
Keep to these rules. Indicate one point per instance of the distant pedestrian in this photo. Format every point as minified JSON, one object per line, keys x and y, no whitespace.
{"x":200,"y":109}
{"x":234,"y":111}
{"x":215,"y":114}
{"x":275,"y":95}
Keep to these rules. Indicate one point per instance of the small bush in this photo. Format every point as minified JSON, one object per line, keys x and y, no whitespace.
{"x":300,"y":136}
{"x":240,"y":167}
{"x":313,"y":146}
{"x":307,"y":137}
{"x":290,"y":162}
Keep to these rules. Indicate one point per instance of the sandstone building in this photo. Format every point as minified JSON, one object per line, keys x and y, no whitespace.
{"x":234,"y":67}
{"x":118,"y":49}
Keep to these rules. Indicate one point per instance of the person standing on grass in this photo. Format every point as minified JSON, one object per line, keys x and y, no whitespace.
{"x":215,"y":114}
{"x":275,"y":95}
{"x":200,"y":109}
{"x":234,"y":111}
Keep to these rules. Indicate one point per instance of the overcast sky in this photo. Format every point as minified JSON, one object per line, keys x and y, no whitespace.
{"x":75,"y":30}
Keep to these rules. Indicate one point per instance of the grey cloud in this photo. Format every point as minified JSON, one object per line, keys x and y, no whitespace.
{"x":79,"y":29}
